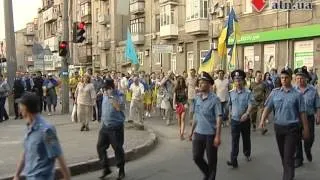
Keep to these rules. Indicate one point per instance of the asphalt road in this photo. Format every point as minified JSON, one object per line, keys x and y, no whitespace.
{"x":172,"y":160}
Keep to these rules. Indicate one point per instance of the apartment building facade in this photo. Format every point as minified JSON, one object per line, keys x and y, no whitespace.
{"x":271,"y":38}
{"x":25,"y":39}
{"x":49,"y":33}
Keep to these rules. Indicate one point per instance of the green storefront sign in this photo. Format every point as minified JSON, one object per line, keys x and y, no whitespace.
{"x":280,"y":34}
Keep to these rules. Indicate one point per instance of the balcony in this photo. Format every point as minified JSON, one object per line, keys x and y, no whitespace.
{"x":86,"y":19}
{"x":50,"y":15}
{"x":169,"y":32}
{"x":29,"y":33}
{"x":28,"y":43}
{"x":103,"y":19}
{"x":173,"y":2}
{"x":137,"y":38}
{"x":137,"y":6}
{"x":104,"y":45}
{"x":197,"y":27}
{"x":85,"y":55}
{"x":85,"y":1}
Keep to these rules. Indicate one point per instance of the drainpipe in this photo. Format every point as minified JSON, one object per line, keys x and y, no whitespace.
{"x":288,"y":45}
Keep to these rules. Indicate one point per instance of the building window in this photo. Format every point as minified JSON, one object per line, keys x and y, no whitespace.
{"x":190,"y":64}
{"x":173,"y":62}
{"x":203,"y":54}
{"x":85,"y":9}
{"x":248,"y":7}
{"x":159,"y":59}
{"x":140,"y":56}
{"x":137,"y":26}
{"x":157,"y":22}
{"x":196,"y":9}
{"x":167,"y":15}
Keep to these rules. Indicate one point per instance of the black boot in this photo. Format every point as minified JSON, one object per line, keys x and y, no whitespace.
{"x":121,"y":173}
{"x":105,"y":173}
{"x":82,"y":128}
{"x":234,"y":164}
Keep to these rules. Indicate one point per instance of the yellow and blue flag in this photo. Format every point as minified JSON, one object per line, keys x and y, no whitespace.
{"x":231,"y":29}
{"x":233,"y":56}
{"x":207,"y":65}
{"x":130,"y":52}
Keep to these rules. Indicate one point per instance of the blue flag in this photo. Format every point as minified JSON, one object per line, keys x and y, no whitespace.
{"x":131,"y":53}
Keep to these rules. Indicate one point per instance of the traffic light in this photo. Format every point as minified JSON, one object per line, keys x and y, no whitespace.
{"x":63,"y":48}
{"x":78,"y":32}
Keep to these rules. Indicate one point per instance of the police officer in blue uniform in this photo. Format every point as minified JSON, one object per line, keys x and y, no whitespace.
{"x":290,"y":112}
{"x":206,"y":128}
{"x":312,"y":101}
{"x":112,"y":130}
{"x":41,"y":145}
{"x":240,"y":105}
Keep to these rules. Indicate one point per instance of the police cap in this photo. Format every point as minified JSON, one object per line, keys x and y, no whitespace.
{"x":108,"y":83}
{"x":287,"y":71}
{"x":239,"y":74}
{"x":206,"y":77}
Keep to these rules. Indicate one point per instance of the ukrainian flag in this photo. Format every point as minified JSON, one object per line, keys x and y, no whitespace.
{"x":233,"y":54}
{"x":207,"y":65}
{"x":231,"y":29}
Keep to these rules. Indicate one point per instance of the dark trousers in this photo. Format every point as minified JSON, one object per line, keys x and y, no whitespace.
{"x":97,"y":111}
{"x":240,"y":128}
{"x":287,"y":139}
{"x":3,"y":112}
{"x":41,"y":103}
{"x":16,"y":108}
{"x":115,"y":138}
{"x":224,"y":110}
{"x":308,"y":143}
{"x":200,"y":144}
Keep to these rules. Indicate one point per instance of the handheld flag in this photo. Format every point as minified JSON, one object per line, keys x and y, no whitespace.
{"x":130,"y":50}
{"x":207,"y":65}
{"x":233,"y":55}
{"x":231,"y":29}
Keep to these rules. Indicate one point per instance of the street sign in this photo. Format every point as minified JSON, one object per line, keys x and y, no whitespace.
{"x":259,"y":5}
{"x":162,"y":48}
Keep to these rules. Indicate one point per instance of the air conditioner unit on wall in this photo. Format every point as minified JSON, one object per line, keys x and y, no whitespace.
{"x":153,"y":36}
{"x":180,"y":48}
{"x":220,"y":13}
{"x":214,"y":45}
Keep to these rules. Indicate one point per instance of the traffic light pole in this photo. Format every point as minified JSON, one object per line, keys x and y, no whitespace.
{"x":11,"y":48}
{"x":65,"y":68}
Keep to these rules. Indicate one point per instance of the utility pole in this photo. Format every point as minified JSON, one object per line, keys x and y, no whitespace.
{"x":11,"y":48}
{"x":65,"y":68}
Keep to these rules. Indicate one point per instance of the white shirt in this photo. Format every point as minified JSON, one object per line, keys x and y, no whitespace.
{"x":123,"y":84}
{"x":137,"y":91}
{"x":222,"y":89}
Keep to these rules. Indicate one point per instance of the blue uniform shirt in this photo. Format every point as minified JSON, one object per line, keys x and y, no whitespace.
{"x":206,"y":112}
{"x":41,"y":147}
{"x":110,"y":116}
{"x":287,"y":105}
{"x":311,"y":98}
{"x":239,"y":101}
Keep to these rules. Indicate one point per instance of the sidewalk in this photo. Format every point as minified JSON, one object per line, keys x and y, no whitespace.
{"x":79,"y":147}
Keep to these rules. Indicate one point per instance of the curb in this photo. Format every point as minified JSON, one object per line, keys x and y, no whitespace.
{"x":94,"y":164}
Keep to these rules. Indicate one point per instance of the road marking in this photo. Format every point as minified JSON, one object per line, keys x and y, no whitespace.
{"x":10,"y":142}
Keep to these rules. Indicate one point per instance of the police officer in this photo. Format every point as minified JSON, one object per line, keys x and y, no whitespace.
{"x":41,"y":145}
{"x":240,"y":105}
{"x":206,"y":128}
{"x":112,"y":130}
{"x":290,"y":111}
{"x":312,"y":101}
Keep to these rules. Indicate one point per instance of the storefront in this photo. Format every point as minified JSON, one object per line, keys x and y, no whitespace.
{"x":273,"y":49}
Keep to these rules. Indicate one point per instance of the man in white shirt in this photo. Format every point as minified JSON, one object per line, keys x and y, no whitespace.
{"x":191,"y":83}
{"x":221,"y":88}
{"x":136,"y":106}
